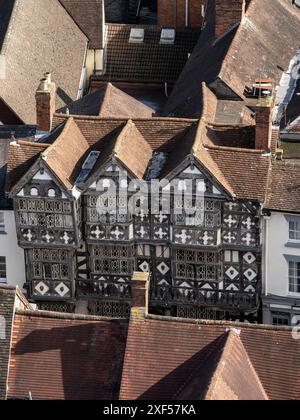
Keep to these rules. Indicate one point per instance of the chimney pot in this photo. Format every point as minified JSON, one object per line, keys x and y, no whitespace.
{"x":48,"y":78}
{"x":140,"y":289}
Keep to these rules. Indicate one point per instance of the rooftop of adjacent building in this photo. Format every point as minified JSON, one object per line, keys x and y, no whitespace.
{"x":208,"y":360}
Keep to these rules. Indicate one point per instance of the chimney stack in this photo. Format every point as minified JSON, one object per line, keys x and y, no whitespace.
{"x":228,"y":13}
{"x":45,"y":103}
{"x":140,"y":290}
{"x":261,"y":98}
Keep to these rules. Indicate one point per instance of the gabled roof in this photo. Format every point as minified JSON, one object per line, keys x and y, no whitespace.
{"x":205,"y":361}
{"x":94,"y":358}
{"x":22,"y":155}
{"x":82,"y":358}
{"x":65,"y":156}
{"x":31,"y":53}
{"x":268,"y":33}
{"x":150,"y":62}
{"x":242,"y":172}
{"x":235,"y":377}
{"x":109,"y":102}
{"x":89,"y":16}
{"x":133,"y":150}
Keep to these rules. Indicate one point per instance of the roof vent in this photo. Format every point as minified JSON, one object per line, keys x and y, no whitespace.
{"x":167,"y":36}
{"x":137,"y":36}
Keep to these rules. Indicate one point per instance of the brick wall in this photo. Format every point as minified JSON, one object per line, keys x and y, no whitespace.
{"x":228,"y":13}
{"x":172,"y":13}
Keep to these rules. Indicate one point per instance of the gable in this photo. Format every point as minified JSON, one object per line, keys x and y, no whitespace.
{"x":39,"y":182}
{"x":203,"y":182}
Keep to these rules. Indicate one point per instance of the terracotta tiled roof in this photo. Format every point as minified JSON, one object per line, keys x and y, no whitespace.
{"x":246,"y":171}
{"x":65,"y":156}
{"x":31,"y":53}
{"x":150,"y":61}
{"x":158,"y":132}
{"x":133,"y":150}
{"x":21,"y":156}
{"x":268,"y":34}
{"x":261,"y":359}
{"x":235,"y":377}
{"x":284,"y":186}
{"x":241,"y":172}
{"x":109,"y":102}
{"x":89,"y":16}
{"x":60,"y":358}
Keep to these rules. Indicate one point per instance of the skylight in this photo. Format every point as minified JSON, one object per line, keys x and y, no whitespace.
{"x":88,"y":166}
{"x":137,"y":36}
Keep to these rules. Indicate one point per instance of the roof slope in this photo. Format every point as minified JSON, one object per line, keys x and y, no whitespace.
{"x":31,"y":53}
{"x":235,"y":377}
{"x":81,"y":359}
{"x":6,"y":7}
{"x":21,"y":156}
{"x":109,"y":102}
{"x":284,"y":187}
{"x":89,"y":16}
{"x":269,"y":34}
{"x":150,"y":62}
{"x":65,"y":155}
{"x":155,"y":371}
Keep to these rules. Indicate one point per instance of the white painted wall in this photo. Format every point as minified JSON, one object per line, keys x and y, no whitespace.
{"x":15,"y":262}
{"x":277,"y":265}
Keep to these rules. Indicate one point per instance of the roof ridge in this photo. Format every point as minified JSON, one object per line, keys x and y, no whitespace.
{"x":58,"y":140}
{"x":153,"y":119}
{"x":108,"y":91}
{"x":231,"y":339}
{"x":233,"y":149}
{"x":30,"y":143}
{"x":129,"y":124}
{"x":66,"y":316}
{"x":225,"y":324}
{"x":195,"y":372}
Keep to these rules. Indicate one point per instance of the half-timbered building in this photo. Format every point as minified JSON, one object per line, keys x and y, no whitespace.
{"x":204,"y":254}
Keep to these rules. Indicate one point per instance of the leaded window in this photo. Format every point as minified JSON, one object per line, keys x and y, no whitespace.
{"x":50,"y":264}
{"x":116,"y":260}
{"x":197,"y":212}
{"x":45,"y":213}
{"x":197,"y":265}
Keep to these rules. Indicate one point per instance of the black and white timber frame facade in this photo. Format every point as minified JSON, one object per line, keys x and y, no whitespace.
{"x":208,"y":268}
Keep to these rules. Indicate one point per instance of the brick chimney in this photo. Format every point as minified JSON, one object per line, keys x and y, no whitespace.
{"x":45,"y":103}
{"x":260,"y":98}
{"x":263,"y":131}
{"x":228,"y":13}
{"x":140,"y":290}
